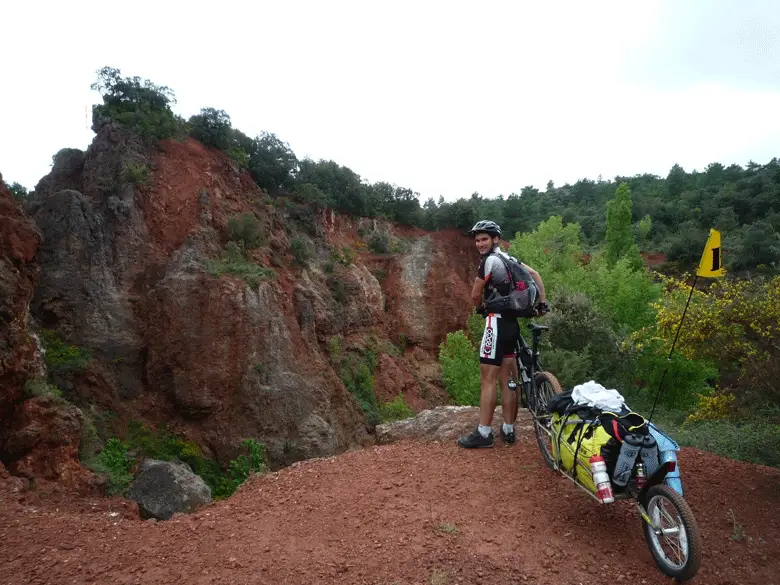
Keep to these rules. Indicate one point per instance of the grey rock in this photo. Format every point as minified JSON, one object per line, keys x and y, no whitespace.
{"x":444,"y":423}
{"x":163,"y":488}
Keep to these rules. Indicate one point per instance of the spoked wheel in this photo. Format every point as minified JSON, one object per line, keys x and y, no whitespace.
{"x":547,"y":386}
{"x":673,"y":538}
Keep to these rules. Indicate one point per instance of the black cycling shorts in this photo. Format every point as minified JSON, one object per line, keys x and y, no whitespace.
{"x":499,"y":340}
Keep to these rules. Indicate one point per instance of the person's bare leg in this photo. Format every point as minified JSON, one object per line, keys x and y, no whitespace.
{"x":508,"y":398}
{"x":487,"y":401}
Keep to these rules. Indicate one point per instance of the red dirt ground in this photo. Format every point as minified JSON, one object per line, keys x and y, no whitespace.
{"x":406,"y":513}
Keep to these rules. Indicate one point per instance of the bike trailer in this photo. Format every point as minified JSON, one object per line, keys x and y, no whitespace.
{"x":622,"y":438}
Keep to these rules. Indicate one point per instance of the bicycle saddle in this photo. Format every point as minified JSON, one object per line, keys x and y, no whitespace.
{"x":534,"y":327}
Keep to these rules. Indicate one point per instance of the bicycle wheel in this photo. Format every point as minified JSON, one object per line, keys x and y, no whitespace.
{"x":673,"y":538}
{"x":547,"y":386}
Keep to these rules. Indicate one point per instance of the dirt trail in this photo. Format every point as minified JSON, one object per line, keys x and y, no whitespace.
{"x":406,"y":513}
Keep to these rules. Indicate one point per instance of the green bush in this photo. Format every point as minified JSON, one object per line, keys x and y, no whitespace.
{"x":397,"y":409}
{"x":246,"y":231}
{"x":62,"y":357}
{"x":40,"y":387}
{"x":115,"y":462}
{"x":135,"y":174}
{"x":460,"y":369}
{"x":233,"y":261}
{"x":301,"y":250}
{"x":380,"y":242}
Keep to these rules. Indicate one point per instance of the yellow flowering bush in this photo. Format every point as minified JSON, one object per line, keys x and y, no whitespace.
{"x":734,"y":324}
{"x":714,"y":407}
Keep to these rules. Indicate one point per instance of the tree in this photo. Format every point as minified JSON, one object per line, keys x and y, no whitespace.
{"x":676,"y":180}
{"x":272,"y":163}
{"x":136,"y":104}
{"x":619,"y":238}
{"x":18,"y":190}
{"x":213,"y":128}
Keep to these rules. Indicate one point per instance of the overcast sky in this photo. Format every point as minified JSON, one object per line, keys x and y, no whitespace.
{"x":446,"y":98}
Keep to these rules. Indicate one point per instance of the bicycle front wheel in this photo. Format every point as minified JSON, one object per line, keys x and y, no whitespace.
{"x":546,"y":386}
{"x":673,"y":538}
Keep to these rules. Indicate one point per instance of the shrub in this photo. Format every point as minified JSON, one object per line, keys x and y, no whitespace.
{"x":135,"y":174}
{"x":246,"y":231}
{"x":460,"y":369}
{"x":39,"y":387}
{"x":397,"y":409}
{"x":233,"y":261}
{"x":115,"y":462}
{"x":301,"y":250}
{"x":379,"y":242}
{"x":62,"y":357}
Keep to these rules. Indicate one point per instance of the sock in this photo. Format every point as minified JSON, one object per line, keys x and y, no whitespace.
{"x":484,"y":430}
{"x":508,"y":428}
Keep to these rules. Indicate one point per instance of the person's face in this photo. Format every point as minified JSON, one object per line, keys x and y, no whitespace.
{"x":484,"y":243}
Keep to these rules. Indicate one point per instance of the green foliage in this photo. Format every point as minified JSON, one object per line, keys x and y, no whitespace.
{"x":139,"y":105}
{"x":234,"y":261}
{"x":581,"y":345}
{"x":397,"y":409}
{"x":213,"y":128}
{"x":460,"y":369}
{"x":40,"y":387}
{"x":337,"y":288}
{"x":272,"y":163}
{"x":475,"y":327}
{"x":62,"y":357}
{"x":755,"y":441}
{"x":311,"y":194}
{"x":246,"y":231}
{"x":301,"y":250}
{"x":135,"y":174}
{"x":356,"y":368}
{"x":620,"y":242}
{"x":118,"y":457}
{"x":115,"y":462}
{"x":18,"y":191}
{"x":244,"y":466}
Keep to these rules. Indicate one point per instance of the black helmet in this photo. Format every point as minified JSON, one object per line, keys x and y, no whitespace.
{"x":487,"y":226}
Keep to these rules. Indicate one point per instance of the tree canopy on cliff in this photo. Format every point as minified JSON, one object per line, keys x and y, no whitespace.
{"x":671,"y":214}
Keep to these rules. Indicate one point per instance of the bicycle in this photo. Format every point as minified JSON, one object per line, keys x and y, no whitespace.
{"x":538,"y":386}
{"x":658,"y":498}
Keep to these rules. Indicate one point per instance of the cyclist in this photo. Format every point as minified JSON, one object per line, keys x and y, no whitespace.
{"x":497,"y":351}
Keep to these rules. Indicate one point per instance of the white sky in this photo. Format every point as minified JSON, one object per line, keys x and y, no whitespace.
{"x":442,"y":97}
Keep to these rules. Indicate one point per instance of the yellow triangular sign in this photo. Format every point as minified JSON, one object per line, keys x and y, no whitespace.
{"x":711,"y":263}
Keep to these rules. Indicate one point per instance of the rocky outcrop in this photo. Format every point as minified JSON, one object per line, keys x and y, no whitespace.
{"x":39,"y":436}
{"x":19,"y":241}
{"x":164,"y":488}
{"x":41,"y":441}
{"x":130,"y":271}
{"x":444,"y":423}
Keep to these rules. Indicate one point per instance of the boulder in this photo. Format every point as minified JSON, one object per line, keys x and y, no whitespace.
{"x":163,"y":488}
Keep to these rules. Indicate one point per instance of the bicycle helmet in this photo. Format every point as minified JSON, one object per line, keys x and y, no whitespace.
{"x":486,"y":226}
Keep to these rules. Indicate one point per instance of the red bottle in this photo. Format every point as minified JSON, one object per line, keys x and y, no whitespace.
{"x":601,"y":479}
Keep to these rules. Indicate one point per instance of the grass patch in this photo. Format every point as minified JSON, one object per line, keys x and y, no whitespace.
{"x":233,"y":261}
{"x":447,"y":528}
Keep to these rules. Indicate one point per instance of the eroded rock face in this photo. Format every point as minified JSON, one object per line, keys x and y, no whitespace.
{"x":19,"y":241}
{"x":41,"y":441}
{"x":163,"y":488}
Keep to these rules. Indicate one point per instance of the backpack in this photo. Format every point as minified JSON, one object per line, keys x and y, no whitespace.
{"x":523,"y":292}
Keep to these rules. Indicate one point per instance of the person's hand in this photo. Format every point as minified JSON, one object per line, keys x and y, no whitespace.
{"x":542,"y":308}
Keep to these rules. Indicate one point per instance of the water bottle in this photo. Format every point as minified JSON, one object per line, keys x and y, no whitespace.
{"x":640,"y":476}
{"x":629,"y":450}
{"x":649,"y":455}
{"x":601,"y":479}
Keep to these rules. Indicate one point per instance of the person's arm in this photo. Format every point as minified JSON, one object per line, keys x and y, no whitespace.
{"x":538,"y":280}
{"x":476,"y":291}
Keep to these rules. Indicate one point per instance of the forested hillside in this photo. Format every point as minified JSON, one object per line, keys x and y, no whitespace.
{"x":670,"y":214}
